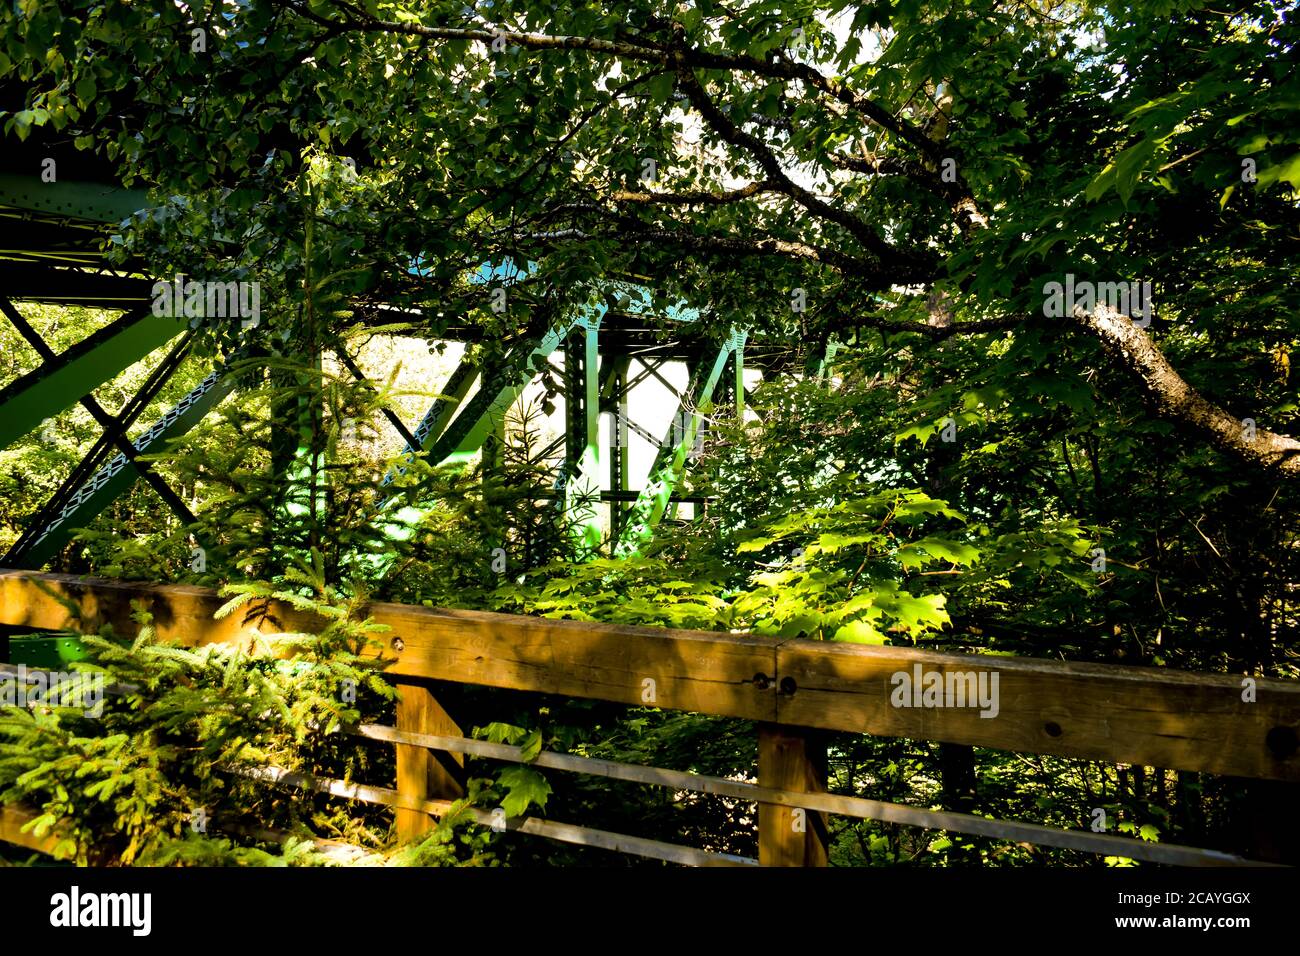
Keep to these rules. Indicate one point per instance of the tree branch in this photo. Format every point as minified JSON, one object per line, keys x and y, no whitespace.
{"x":697,"y":198}
{"x":1177,"y":401}
{"x":766,"y":159}
{"x":775,"y":68}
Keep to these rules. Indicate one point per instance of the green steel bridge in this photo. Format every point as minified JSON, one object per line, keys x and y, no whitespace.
{"x":53,"y":253}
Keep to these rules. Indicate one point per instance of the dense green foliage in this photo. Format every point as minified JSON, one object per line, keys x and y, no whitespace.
{"x":903,"y":179}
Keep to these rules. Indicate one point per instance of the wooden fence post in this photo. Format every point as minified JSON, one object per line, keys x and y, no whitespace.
{"x":421,"y":773}
{"x":1271,"y":833}
{"x":791,"y":758}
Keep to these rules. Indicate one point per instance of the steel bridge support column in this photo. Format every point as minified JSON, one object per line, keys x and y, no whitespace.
{"x":738,"y":353}
{"x":670,"y":462}
{"x":618,"y":442}
{"x":582,"y":437}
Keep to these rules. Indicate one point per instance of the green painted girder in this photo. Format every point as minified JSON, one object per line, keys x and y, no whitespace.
{"x":738,"y":353}
{"x":670,"y":463}
{"x":437,"y":418}
{"x":95,"y":202}
{"x":62,"y":381}
{"x":819,"y":366}
{"x":49,"y":651}
{"x":463,"y":437}
{"x":582,"y":484}
{"x":617,"y":391}
{"x":119,"y":473}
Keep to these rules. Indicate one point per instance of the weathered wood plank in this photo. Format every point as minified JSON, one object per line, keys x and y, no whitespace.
{"x":420,"y":774}
{"x":1139,"y":715}
{"x":549,"y":829}
{"x":1147,"y":716}
{"x":181,"y":613}
{"x":682,"y":670}
{"x":788,"y":760}
{"x":12,"y":821}
{"x":859,"y":807}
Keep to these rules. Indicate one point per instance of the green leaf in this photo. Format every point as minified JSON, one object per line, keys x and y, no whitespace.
{"x":661,"y":87}
{"x":859,"y":632}
{"x":955,"y":551}
{"x":1122,"y":174}
{"x":525,"y":787}
{"x":1286,"y":171}
{"x":532,"y":746}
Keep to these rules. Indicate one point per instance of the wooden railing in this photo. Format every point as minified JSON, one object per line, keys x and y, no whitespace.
{"x":792,"y":689}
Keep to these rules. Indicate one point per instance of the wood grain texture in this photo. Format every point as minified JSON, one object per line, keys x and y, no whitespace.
{"x":681,"y":670}
{"x":420,"y":774}
{"x":1150,"y":716}
{"x":791,"y":760}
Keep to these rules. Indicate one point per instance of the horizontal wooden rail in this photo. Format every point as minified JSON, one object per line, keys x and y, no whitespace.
{"x":13,"y":818}
{"x":549,"y":829}
{"x":12,"y":821}
{"x":857,"y":807}
{"x":1148,"y":716}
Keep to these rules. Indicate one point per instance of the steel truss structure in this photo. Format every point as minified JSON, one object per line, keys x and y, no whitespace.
{"x":608,"y":349}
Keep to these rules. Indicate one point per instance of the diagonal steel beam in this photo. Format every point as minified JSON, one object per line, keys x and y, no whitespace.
{"x":498,"y":391}
{"x":121,"y":471}
{"x":95,"y":457}
{"x":346,"y":360}
{"x":462,"y":437}
{"x":436,"y":419}
{"x":98,"y":358}
{"x":101,"y":416}
{"x":670,"y":463}
{"x":643,"y":432}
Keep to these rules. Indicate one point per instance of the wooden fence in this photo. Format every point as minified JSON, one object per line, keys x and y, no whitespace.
{"x":793,"y":689}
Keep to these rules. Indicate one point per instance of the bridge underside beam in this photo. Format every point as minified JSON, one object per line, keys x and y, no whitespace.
{"x":120,"y":473}
{"x":94,"y":202}
{"x":61,"y":381}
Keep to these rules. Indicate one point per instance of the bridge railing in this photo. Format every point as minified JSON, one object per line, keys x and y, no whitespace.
{"x":794,"y":690}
